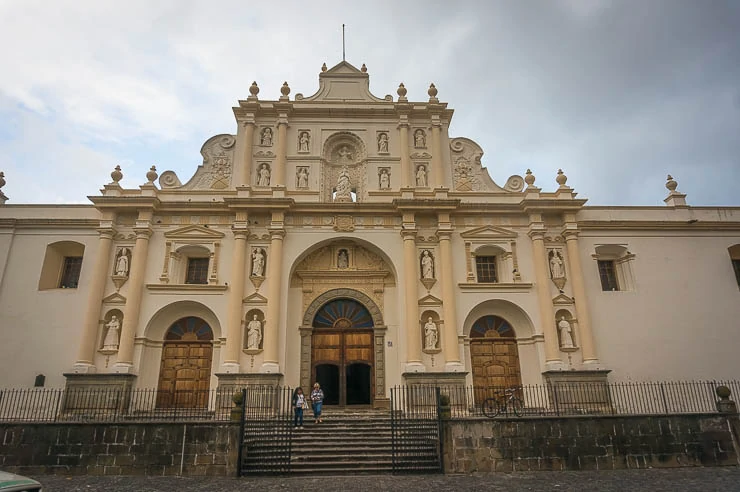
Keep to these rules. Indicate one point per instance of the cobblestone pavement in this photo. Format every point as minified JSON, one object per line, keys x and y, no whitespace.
{"x":668,"y":480}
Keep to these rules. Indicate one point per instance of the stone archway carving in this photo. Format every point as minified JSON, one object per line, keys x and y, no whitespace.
{"x":379,"y":330}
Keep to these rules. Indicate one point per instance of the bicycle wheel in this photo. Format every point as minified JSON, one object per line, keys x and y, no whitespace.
{"x":517,"y":406}
{"x":490,"y":407}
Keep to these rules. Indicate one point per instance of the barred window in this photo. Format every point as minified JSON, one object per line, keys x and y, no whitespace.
{"x":197,"y":271}
{"x":71,"y":272}
{"x":485,"y":267}
{"x":608,"y":275}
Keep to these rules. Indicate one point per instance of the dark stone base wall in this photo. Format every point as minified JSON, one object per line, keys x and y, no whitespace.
{"x":580,"y":443}
{"x":123,"y":449}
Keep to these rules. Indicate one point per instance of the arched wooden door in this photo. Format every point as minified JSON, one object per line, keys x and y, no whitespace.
{"x":342,"y":353}
{"x":494,"y":356}
{"x":185,"y":372}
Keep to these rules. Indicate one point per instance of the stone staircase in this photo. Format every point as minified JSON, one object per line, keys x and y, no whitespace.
{"x":347,"y":442}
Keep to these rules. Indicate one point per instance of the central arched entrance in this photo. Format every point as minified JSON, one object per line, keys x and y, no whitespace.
{"x":494,"y":356}
{"x":185,"y":370}
{"x":342,"y":352}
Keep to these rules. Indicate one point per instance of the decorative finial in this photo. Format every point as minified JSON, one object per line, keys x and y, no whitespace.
{"x":151,"y":175}
{"x":432,"y":92}
{"x":671,"y":184}
{"x":285,"y":89}
{"x":3,"y":198}
{"x":116,"y":175}
{"x":401,"y":91}
{"x":561,"y":178}
{"x":363,"y":69}
{"x":529,"y":178}
{"x":254,"y":89}
{"x":2,"y":179}
{"x":323,"y":67}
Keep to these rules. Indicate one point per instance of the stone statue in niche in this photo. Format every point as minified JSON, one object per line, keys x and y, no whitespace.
{"x":430,"y":334}
{"x":303,"y":142}
{"x":344,"y":186}
{"x":254,"y":333}
{"x":111,"y":337}
{"x":557,"y":269}
{"x":302,"y":177}
{"x":258,"y":262}
{"x":342,"y":259}
{"x":566,"y":337}
{"x":421,"y":176}
{"x":266,"y":137}
{"x":427,"y":264}
{"x":263,"y":176}
{"x":383,"y":143}
{"x":122,"y":263}
{"x":385,"y":179}
{"x":345,"y":154}
{"x":420,"y":139}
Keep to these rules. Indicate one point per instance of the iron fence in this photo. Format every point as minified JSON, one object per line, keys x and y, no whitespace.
{"x":416,"y":436}
{"x":594,"y":398}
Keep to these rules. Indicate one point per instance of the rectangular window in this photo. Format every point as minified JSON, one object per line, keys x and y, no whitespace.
{"x":736,"y":265}
{"x":70,"y":272}
{"x":608,"y":275}
{"x":485,"y":267}
{"x":197,"y":271}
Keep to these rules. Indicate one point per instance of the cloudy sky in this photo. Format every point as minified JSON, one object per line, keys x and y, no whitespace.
{"x":618,"y":94}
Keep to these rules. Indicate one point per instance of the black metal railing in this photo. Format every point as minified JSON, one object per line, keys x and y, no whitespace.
{"x":416,"y":429}
{"x":594,"y":398}
{"x":267,"y":430}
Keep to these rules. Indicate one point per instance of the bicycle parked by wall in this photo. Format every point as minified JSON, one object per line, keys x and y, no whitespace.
{"x":505,"y":400}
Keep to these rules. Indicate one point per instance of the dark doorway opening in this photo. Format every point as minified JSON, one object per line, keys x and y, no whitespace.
{"x":358,"y":384}
{"x":327,"y":375}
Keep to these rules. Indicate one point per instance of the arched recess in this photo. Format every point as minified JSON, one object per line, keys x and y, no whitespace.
{"x":185,"y":368}
{"x":735,"y":259}
{"x":344,"y":329}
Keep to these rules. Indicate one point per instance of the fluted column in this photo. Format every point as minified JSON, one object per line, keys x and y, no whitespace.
{"x":552,"y":353}
{"x":272,"y":321}
{"x":449,"y":302}
{"x":278,"y":174}
{"x":131,"y":311}
{"x":437,"y":173}
{"x":579,"y":291}
{"x":413,"y":328}
{"x":234,"y":327}
{"x":403,"y":129}
{"x":86,"y":354}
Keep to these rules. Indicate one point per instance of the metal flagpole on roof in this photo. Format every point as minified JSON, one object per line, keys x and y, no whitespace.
{"x":343,"y":55}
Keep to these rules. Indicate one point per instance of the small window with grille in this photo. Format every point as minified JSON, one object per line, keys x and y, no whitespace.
{"x":197,"y":271}
{"x":485,"y":267}
{"x":608,"y":275}
{"x":70,"y":272}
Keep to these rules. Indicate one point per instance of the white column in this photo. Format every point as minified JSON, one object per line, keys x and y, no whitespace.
{"x":271,"y":364}
{"x":552,"y":351}
{"x":449,"y":304}
{"x":236,"y":294}
{"x":579,"y":291}
{"x":413,"y":328}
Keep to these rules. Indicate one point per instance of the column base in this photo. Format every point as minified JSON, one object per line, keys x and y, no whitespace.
{"x":237,"y":381}
{"x":123,"y":368}
{"x":97,"y":394}
{"x":229,"y":368}
{"x":592,"y":365}
{"x":413,"y":367}
{"x":455,"y":367}
{"x":270,"y":368}
{"x":84,"y":368}
{"x":555,"y":365}
{"x":579,"y":392}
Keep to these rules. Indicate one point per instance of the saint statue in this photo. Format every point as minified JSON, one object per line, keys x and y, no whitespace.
{"x":427,"y":265}
{"x":254,"y":333}
{"x":430,"y":334}
{"x":343,"y":259}
{"x":258,"y":262}
{"x":302,"y":177}
{"x":383,"y":143}
{"x":345,"y":153}
{"x":556,"y":265}
{"x":111,"y":337}
{"x":122,"y":263}
{"x":344,"y":187}
{"x":264,"y":176}
{"x":420,"y":140}
{"x":421,"y":176}
{"x":566,"y":339}
{"x":385,"y":179}
{"x":303,"y":141}
{"x":266,"y":137}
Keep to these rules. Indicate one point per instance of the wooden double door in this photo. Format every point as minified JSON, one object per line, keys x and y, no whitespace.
{"x":494,"y":357}
{"x":343,"y":365}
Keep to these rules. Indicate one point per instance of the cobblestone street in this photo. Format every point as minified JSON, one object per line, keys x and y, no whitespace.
{"x":668,"y":480}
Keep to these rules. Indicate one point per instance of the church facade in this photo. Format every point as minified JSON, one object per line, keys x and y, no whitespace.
{"x":349,"y":239}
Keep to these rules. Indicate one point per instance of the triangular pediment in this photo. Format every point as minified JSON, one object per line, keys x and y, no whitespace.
{"x":342,"y":68}
{"x":255,"y":298}
{"x":489,"y":232}
{"x":343,"y":83}
{"x":430,"y":300}
{"x":562,"y":300}
{"x":114,"y":298}
{"x":194,"y":232}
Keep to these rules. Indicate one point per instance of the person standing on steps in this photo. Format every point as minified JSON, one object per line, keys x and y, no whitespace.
{"x":299,"y":403}
{"x":317,"y":399}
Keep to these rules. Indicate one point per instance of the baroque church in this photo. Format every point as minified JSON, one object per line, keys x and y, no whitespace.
{"x":349,"y":239}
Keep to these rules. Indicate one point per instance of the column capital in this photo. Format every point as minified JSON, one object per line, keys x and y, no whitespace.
{"x":143,"y":232}
{"x":282,"y":119}
{"x":403,"y":121}
{"x":106,"y":232}
{"x":444,"y":234}
{"x":276,"y":233}
{"x":570,"y":234}
{"x":239,"y":232}
{"x":408,"y":234}
{"x":436,"y":121}
{"x":536,"y":235}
